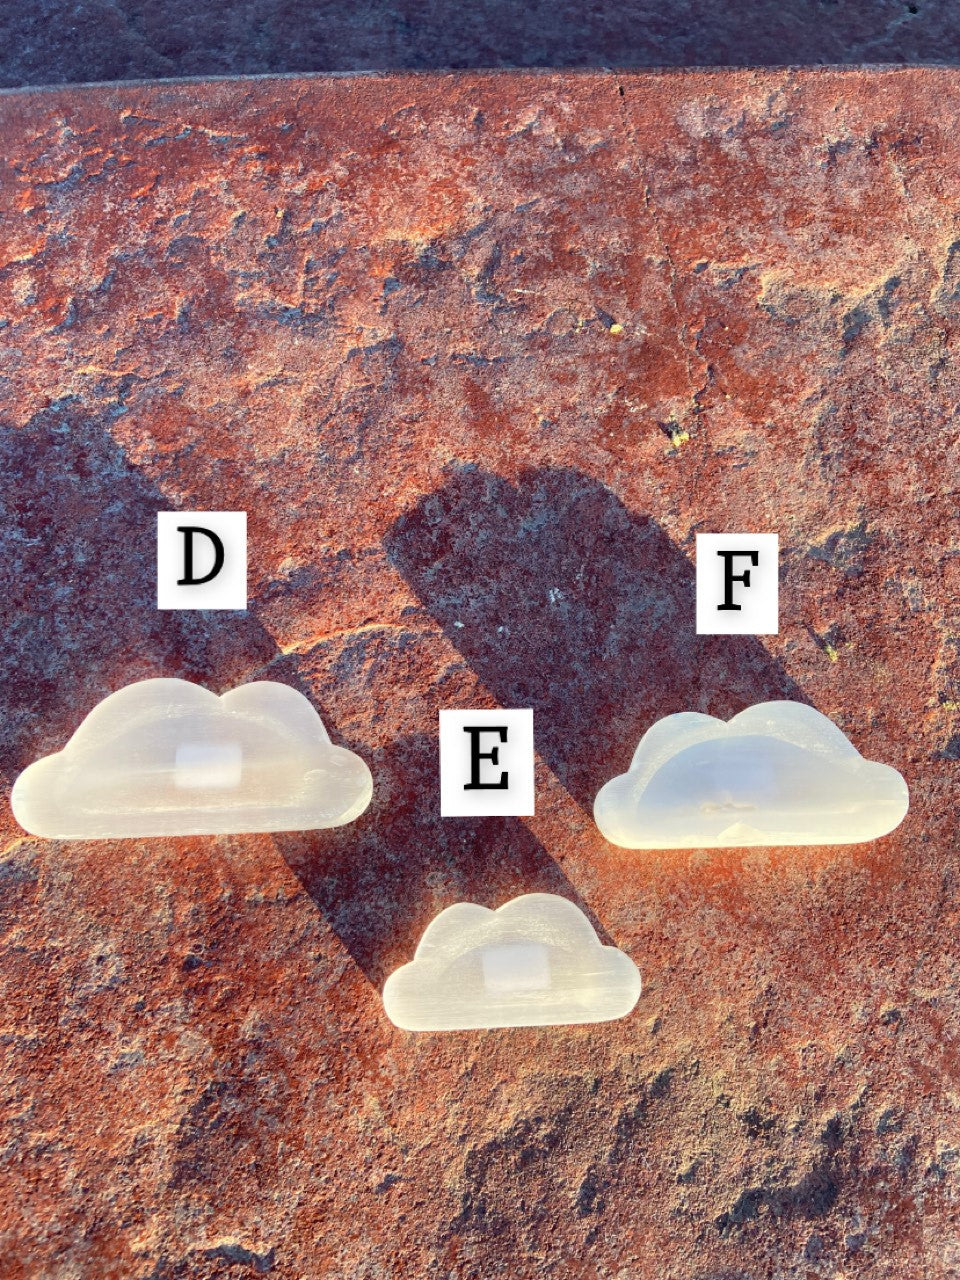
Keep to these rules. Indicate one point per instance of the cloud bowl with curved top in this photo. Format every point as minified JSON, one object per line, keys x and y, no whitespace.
{"x":536,"y":961}
{"x":779,"y":773}
{"x":167,"y":757}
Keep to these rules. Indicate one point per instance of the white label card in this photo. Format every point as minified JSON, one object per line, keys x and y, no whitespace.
{"x":738,"y":584}
{"x":201,"y":560}
{"x":486,"y":763}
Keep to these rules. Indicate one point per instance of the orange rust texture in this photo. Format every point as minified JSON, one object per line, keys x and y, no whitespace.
{"x":479,"y":354}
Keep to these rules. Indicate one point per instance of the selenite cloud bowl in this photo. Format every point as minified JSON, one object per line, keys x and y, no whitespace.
{"x":167,"y":757}
{"x":534,"y":962}
{"x":779,"y":773}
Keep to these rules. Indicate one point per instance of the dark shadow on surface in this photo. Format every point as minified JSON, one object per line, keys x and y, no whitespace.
{"x":380,"y":880}
{"x":79,"y":620}
{"x":78,"y":589}
{"x":55,"y":42}
{"x":561,"y":599}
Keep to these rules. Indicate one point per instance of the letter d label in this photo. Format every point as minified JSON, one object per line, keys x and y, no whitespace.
{"x":201,"y":560}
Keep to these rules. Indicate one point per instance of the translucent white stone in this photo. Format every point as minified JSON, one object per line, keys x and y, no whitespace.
{"x":516,"y":966}
{"x":779,"y":773}
{"x":534,"y":962}
{"x":201,"y":765}
{"x":167,"y":757}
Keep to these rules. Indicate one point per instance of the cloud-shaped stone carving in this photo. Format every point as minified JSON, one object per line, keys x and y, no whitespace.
{"x":779,"y":773}
{"x":167,"y":757}
{"x":534,"y":962}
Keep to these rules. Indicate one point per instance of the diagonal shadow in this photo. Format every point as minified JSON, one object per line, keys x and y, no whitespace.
{"x":382,"y":879}
{"x":79,"y":618}
{"x":78,"y":588}
{"x":563,"y":600}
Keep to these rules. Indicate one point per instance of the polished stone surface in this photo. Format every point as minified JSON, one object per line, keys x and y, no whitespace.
{"x":534,"y":962}
{"x":779,"y":773}
{"x":167,"y":757}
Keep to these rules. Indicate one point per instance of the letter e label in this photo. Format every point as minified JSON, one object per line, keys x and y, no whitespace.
{"x":486,"y":763}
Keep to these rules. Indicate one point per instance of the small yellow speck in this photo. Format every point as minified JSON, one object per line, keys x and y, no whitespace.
{"x":677,"y":438}
{"x":616,"y":328}
{"x":950,"y":706}
{"x":830,"y":651}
